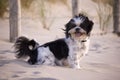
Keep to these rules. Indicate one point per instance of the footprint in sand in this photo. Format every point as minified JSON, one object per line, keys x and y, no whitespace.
{"x":15,"y":76}
{"x":17,"y":72}
{"x":3,"y":62}
{"x":20,"y":72}
{"x":36,"y":72}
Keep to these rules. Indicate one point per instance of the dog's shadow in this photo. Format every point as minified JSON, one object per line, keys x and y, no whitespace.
{"x":17,"y":62}
{"x":23,"y":63}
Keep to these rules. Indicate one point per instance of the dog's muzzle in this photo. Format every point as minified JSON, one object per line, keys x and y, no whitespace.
{"x":78,"y":32}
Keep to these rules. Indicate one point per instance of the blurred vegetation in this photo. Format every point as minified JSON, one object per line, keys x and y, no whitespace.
{"x":3,"y":7}
{"x":104,"y":10}
{"x":55,"y":1}
{"x":43,"y":14}
{"x":26,"y":3}
{"x":110,"y":2}
{"x":4,"y":4}
{"x":43,"y":11}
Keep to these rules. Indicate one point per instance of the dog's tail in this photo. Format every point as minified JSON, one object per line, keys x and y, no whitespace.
{"x":24,"y":47}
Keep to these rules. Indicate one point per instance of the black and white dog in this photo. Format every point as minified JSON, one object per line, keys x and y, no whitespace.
{"x":67,"y":51}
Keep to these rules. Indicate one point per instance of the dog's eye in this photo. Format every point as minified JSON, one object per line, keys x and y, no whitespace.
{"x":72,"y":25}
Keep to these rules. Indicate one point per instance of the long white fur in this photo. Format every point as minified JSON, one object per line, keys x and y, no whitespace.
{"x":77,"y":49}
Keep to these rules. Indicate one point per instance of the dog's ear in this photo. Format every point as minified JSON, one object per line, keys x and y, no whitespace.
{"x":67,"y":29}
{"x":90,"y":26}
{"x":87,"y":25}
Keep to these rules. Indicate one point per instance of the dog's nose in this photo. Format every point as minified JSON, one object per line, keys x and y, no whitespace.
{"x":77,"y":29}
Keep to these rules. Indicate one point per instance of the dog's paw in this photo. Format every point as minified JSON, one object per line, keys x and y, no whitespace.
{"x":76,"y":67}
{"x":31,"y":62}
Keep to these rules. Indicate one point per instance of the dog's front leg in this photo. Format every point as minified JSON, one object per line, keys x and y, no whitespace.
{"x":77,"y":64}
{"x":74,"y":61}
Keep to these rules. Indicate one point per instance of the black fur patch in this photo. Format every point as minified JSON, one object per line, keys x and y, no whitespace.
{"x":59,"y":48}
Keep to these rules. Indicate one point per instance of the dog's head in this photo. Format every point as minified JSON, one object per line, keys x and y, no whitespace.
{"x":79,"y":27}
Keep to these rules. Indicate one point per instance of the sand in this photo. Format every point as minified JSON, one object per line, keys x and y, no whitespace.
{"x":101,"y":63}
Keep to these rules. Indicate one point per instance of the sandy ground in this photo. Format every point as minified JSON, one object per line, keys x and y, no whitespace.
{"x":101,"y":63}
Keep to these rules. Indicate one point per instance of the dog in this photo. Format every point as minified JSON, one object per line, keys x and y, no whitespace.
{"x":63,"y":52}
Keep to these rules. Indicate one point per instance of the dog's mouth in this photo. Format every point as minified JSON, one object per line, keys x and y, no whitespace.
{"x":79,"y":34}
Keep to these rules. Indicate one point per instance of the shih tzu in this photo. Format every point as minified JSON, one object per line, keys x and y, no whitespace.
{"x":64,"y":52}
